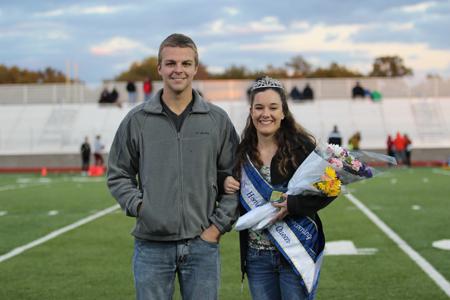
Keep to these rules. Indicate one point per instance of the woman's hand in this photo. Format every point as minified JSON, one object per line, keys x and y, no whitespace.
{"x":231,"y":185}
{"x":283,"y":212}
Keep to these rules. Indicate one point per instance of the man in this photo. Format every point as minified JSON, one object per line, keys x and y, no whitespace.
{"x":335,"y":137}
{"x":163,"y":168}
{"x":358,"y":91}
{"x":131,"y":89}
{"x":399,"y":148}
{"x":308,"y":93}
{"x":85,"y":150}
{"x":98,"y":151}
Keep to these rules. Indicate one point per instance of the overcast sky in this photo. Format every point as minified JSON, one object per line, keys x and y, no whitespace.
{"x":104,"y":37}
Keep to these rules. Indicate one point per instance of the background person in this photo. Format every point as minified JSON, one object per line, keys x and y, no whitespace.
{"x":390,"y":147}
{"x":399,"y":148}
{"x":308,"y":93}
{"x":147,"y":88}
{"x":85,"y":150}
{"x":162,"y":170}
{"x":358,"y":91}
{"x":98,"y":151}
{"x":295,"y":94}
{"x":408,"y":148}
{"x":132,"y":95}
{"x":335,"y":136}
{"x":354,"y":141}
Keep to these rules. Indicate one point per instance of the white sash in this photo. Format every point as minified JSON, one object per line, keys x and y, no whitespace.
{"x":293,"y":237}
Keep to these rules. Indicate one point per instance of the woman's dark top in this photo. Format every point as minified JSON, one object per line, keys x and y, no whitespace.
{"x":297,"y":205}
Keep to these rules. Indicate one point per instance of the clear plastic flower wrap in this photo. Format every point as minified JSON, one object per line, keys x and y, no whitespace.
{"x":326,"y":171}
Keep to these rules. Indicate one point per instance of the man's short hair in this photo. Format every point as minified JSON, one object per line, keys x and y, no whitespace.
{"x":178,"y":40}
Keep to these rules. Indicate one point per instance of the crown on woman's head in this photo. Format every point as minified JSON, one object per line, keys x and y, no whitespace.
{"x":267,"y":82}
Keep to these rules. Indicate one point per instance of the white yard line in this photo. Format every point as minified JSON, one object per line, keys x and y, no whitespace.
{"x":441,"y":172}
{"x":416,"y":257}
{"x":20,"y":186}
{"x":58,"y":232}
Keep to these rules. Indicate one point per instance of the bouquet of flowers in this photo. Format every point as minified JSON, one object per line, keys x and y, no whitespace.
{"x":326,"y":171}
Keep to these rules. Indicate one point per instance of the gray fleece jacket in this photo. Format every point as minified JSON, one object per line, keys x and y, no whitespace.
{"x":173,"y":175}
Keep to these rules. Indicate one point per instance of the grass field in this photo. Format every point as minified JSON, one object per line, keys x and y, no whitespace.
{"x":93,"y":261}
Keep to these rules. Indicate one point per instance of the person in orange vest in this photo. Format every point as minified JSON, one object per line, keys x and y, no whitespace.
{"x":399,"y":148}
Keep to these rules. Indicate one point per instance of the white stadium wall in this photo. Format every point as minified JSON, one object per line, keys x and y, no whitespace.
{"x":60,"y":129}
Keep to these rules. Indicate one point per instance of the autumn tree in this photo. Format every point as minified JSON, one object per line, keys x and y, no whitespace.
{"x":390,"y":66}
{"x":139,"y":71}
{"x":202,"y":72}
{"x":234,"y":72}
{"x":334,"y":70}
{"x":15,"y":74}
{"x":276,"y":72}
{"x":299,"y":66}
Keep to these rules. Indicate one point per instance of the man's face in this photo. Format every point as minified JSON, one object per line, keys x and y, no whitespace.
{"x":177,"y":68}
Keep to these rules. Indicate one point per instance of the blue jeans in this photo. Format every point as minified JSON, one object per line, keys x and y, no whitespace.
{"x":132,"y":97}
{"x":270,"y":277}
{"x":196,"y":262}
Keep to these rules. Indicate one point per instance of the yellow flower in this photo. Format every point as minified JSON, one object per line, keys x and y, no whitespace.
{"x":330,"y":184}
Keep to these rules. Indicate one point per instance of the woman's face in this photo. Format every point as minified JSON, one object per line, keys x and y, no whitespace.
{"x":267,"y":112}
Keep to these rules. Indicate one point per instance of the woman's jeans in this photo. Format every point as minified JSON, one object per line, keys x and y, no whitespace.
{"x":196,"y":262}
{"x":270,"y":277}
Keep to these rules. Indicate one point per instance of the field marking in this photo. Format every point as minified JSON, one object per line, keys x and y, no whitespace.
{"x":416,"y":207}
{"x":442,"y":244}
{"x":346,"y":248}
{"x":56,"y":233}
{"x":19,"y":186}
{"x":441,"y":172}
{"x":413,"y":254}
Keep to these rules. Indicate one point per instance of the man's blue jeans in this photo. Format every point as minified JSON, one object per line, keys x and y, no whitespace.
{"x":270,"y":277}
{"x":196,"y":262}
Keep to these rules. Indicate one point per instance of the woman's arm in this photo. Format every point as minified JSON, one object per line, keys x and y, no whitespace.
{"x":306,"y":205}
{"x":300,"y":205}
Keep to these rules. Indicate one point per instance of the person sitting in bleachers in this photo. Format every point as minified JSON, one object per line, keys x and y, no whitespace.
{"x":308,"y":93}
{"x":112,"y":97}
{"x":104,"y":96}
{"x":295,"y":94}
{"x":354,"y":141}
{"x":358,"y":91}
{"x":335,"y":137}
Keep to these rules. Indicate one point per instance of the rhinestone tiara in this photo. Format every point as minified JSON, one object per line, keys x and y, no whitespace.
{"x":267,"y":82}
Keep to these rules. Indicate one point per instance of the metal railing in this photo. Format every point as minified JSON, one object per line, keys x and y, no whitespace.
{"x":225,"y":90}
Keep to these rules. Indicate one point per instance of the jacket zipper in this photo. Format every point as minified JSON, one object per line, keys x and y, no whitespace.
{"x":180,"y":171}
{"x":180,"y":145}
{"x":180,"y":178}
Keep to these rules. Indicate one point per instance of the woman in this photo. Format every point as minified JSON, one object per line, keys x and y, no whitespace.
{"x":275,"y":145}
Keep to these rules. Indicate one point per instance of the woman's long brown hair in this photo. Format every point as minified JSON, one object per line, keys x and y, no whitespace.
{"x":289,"y":136}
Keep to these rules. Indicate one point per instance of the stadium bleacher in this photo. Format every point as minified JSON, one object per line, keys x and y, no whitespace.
{"x":33,"y":134}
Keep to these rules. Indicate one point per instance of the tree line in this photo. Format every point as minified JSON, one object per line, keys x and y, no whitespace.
{"x":15,"y":74}
{"x":296,"y":67}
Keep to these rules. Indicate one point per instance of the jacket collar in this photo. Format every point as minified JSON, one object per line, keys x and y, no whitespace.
{"x":154,"y":104}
